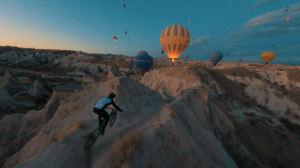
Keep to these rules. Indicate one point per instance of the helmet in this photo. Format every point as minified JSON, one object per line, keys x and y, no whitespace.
{"x":112,"y":95}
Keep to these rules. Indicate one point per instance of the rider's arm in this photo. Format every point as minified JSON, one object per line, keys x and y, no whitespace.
{"x":114,"y":104}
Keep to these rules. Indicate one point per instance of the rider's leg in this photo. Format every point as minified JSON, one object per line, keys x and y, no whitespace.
{"x":106,"y":117}
{"x":98,"y":111}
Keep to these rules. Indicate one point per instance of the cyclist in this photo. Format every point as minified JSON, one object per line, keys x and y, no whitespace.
{"x":99,"y":109}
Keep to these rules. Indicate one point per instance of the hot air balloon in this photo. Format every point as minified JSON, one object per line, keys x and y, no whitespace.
{"x":215,"y":57}
{"x":205,"y":43}
{"x":236,"y":52}
{"x":207,"y":26}
{"x":226,"y":53}
{"x":187,"y":56}
{"x":174,"y":39}
{"x":143,"y":63}
{"x":268,"y":56}
{"x":162,"y":51}
{"x":272,"y":44}
{"x":123,"y":5}
{"x":189,"y":21}
{"x":286,"y":9}
{"x":287,"y":19}
{"x":128,"y":39}
{"x":142,"y":53}
{"x":207,"y":51}
{"x":278,"y":45}
{"x":125,"y":32}
{"x":114,"y":37}
{"x":240,"y":60}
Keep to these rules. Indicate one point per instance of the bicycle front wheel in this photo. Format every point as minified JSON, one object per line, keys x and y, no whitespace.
{"x":112,"y":120}
{"x":92,"y":139}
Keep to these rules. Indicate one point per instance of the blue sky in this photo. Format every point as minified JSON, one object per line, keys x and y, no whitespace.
{"x":234,"y":26}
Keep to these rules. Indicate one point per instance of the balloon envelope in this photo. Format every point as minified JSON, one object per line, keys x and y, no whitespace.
{"x":143,"y":63}
{"x":162,"y":51}
{"x":226,"y":53}
{"x":174,"y":39}
{"x":207,"y":51}
{"x":142,"y":53}
{"x":123,"y":5}
{"x":268,"y":56}
{"x":215,"y":57}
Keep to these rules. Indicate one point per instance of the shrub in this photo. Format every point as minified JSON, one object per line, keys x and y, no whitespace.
{"x":40,"y":100}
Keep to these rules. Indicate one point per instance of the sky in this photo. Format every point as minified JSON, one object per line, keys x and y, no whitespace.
{"x":244,"y":29}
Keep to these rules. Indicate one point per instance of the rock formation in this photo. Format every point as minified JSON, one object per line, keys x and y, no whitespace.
{"x":10,"y":83}
{"x":88,"y":77}
{"x":175,"y":116}
{"x":37,"y":89}
{"x":113,"y":71}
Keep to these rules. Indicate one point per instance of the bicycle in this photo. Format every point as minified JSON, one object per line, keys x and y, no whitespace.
{"x":95,"y":134}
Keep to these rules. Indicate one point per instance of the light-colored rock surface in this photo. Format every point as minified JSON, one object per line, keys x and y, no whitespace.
{"x":230,"y":115}
{"x":37,"y":89}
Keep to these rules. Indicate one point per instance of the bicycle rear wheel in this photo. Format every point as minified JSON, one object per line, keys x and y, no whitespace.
{"x":92,"y":139}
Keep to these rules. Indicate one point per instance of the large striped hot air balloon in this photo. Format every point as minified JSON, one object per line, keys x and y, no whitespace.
{"x":143,"y":62}
{"x":174,"y":39}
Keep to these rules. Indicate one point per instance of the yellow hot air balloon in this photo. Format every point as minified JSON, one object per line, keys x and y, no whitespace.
{"x":174,"y":39}
{"x":268,"y":56}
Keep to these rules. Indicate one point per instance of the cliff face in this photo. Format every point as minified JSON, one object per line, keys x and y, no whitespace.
{"x":184,"y":116}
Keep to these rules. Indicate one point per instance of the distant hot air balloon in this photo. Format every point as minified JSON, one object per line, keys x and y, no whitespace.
{"x":259,"y":21}
{"x":205,"y":43}
{"x":272,"y":44}
{"x":143,"y":63}
{"x":240,"y":60}
{"x":125,"y":32}
{"x":207,"y":51}
{"x":114,"y":37}
{"x":187,"y":56}
{"x":123,"y":5}
{"x":286,"y":9}
{"x":174,"y":39}
{"x":215,"y":57}
{"x":226,"y":53}
{"x":207,"y":26}
{"x":162,"y":51}
{"x":268,"y":56}
{"x":128,"y":39}
{"x":287,"y":19}
{"x":142,"y":53}
{"x":189,"y":21}
{"x":236,"y":52}
{"x":278,"y":46}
